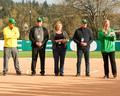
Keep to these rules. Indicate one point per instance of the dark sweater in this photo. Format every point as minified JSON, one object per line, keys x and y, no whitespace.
{"x":55,"y":36}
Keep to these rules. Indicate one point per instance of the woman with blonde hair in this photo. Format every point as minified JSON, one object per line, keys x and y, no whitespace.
{"x":59,"y":40}
{"x":107,"y":38}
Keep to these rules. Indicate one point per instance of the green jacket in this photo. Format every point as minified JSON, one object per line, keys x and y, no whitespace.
{"x":107,"y":41}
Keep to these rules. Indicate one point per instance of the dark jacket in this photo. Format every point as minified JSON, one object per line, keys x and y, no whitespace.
{"x":83,"y":33}
{"x":33,"y":40}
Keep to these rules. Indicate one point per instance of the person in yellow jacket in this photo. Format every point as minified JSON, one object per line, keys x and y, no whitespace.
{"x":11,"y":34}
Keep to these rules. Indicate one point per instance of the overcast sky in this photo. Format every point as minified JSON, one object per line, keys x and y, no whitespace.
{"x":41,"y":1}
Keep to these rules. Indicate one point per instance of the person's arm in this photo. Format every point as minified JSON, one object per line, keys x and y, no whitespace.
{"x":101,"y":36}
{"x":75,"y":37}
{"x":16,"y":34}
{"x":66,"y":37}
{"x":31,"y":36}
{"x":111,"y":36}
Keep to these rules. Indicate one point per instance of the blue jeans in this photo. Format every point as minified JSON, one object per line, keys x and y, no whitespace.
{"x":80,"y":52}
{"x":59,"y":54}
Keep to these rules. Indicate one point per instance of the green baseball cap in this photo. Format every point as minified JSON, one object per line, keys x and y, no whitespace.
{"x":39,"y":19}
{"x":12,"y":21}
{"x":84,"y":21}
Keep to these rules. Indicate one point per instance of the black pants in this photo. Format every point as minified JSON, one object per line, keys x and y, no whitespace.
{"x":35,"y":52}
{"x":59,"y":54}
{"x":80,"y":52}
{"x":106,"y":56}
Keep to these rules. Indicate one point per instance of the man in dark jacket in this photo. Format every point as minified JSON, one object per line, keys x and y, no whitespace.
{"x":83,"y":38}
{"x":39,"y":37}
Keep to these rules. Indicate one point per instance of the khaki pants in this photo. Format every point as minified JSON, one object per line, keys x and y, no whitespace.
{"x":8,"y":52}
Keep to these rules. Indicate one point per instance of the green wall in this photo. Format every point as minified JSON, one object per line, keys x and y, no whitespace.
{"x":25,"y":45}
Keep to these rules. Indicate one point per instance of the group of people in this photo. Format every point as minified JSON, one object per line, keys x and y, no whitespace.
{"x":39,"y":36}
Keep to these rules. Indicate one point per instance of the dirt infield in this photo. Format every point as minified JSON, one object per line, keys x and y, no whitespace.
{"x":49,"y":85}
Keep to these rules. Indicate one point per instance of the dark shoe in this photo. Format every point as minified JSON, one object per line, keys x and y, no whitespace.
{"x":115,"y":76}
{"x":18,"y":73}
{"x":88,"y":75}
{"x":78,"y":74}
{"x":56,"y":74}
{"x":61,"y":74}
{"x":33,"y":73}
{"x":106,"y":77}
{"x":4,"y":73}
{"x":42,"y":74}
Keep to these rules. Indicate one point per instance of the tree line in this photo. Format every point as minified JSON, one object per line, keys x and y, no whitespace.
{"x":70,"y":12}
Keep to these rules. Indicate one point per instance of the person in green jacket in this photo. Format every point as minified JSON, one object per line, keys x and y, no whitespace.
{"x":107,"y":38}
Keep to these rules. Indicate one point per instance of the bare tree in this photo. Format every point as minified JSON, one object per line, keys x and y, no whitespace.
{"x":95,"y":11}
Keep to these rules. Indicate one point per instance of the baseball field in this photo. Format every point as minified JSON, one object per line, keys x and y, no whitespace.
{"x":67,"y":85}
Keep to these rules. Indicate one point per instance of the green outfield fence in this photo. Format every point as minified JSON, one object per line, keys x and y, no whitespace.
{"x":25,"y":45}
